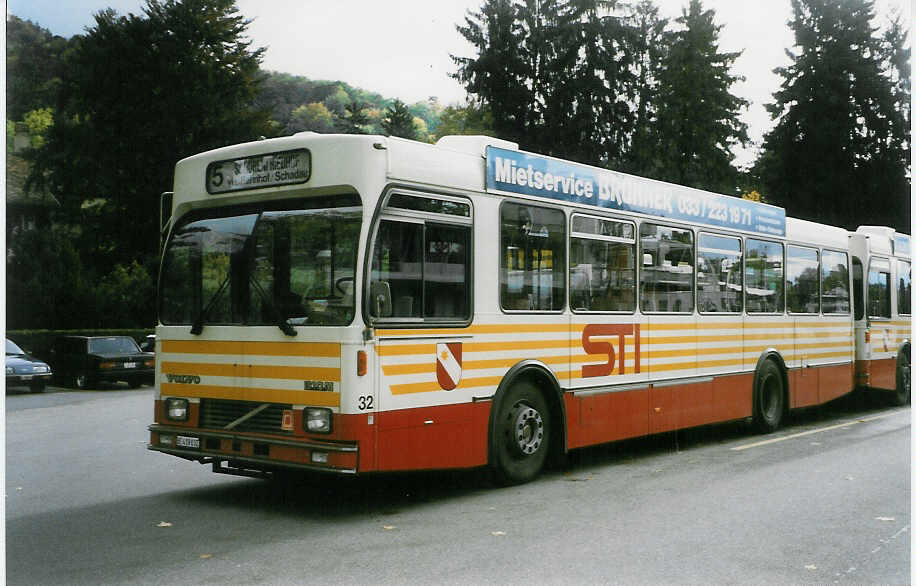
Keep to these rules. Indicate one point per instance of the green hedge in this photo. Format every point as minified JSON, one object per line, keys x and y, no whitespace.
{"x":38,"y":342}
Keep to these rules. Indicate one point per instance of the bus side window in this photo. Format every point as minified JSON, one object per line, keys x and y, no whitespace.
{"x":764,"y":286}
{"x":802,"y":275}
{"x":446,"y":270}
{"x":532,"y":272}
{"x":719,"y":274}
{"x":879,"y":288}
{"x":666,"y":278}
{"x":834,"y":282}
{"x":904,"y":287}
{"x":602,"y":265}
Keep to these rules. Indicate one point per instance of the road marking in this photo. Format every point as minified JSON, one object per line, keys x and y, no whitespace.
{"x":811,"y":432}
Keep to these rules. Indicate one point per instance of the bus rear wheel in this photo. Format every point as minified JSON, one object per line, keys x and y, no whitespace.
{"x":902,"y":392}
{"x":522,"y":438}
{"x":769,"y":398}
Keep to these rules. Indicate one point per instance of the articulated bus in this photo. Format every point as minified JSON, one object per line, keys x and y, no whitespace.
{"x":359,"y":304}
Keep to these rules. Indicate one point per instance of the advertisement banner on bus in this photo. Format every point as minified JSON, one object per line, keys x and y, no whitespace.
{"x":526,"y":174}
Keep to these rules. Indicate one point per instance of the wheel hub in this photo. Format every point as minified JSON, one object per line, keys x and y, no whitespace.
{"x":527,"y":429}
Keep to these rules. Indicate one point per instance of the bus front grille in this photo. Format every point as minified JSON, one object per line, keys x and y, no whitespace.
{"x":248,"y":416}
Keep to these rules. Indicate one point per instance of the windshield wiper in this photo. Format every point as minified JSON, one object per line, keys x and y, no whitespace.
{"x":280,"y":319}
{"x":198,"y":325}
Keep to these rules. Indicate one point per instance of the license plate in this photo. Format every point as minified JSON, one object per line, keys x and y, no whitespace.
{"x":130,"y":365}
{"x":26,"y":377}
{"x":187,"y":442}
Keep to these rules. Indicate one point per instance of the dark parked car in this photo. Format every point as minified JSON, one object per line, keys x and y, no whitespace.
{"x":84,"y":361}
{"x":23,"y":370}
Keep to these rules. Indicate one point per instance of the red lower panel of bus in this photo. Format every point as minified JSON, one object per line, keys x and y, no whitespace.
{"x":450,"y":436}
{"x":835,"y":381}
{"x":605,"y":417}
{"x":880,"y":374}
{"x":819,"y":384}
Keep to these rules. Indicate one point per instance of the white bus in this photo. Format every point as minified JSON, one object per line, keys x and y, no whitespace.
{"x":361,"y":304}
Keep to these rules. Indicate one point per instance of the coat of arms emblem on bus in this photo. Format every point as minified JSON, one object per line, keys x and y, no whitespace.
{"x":448,"y":364}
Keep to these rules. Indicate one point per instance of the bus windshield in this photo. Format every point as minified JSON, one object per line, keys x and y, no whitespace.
{"x":286,"y":263}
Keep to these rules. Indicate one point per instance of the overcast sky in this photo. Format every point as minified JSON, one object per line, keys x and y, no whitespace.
{"x":401,"y":48}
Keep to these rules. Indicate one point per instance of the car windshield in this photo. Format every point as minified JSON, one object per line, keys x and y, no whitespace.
{"x":289,"y":263}
{"x":113,"y":345}
{"x":12,"y":349}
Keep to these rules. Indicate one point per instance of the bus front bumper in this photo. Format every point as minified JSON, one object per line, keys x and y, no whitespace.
{"x":246,"y":455}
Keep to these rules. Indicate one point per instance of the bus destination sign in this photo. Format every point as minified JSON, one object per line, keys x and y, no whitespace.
{"x":269,"y":170}
{"x":526,"y":174}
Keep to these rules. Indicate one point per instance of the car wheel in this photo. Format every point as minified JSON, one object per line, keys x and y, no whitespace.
{"x":81,"y":381}
{"x":522,"y":434}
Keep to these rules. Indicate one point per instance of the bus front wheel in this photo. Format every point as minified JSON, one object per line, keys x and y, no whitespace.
{"x":769,"y":398}
{"x":522,"y":437}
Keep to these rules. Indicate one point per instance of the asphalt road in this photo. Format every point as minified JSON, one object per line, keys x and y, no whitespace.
{"x":825,"y":500}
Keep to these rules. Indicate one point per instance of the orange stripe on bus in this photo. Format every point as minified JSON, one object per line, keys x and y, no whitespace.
{"x":319,"y":349}
{"x":253,"y":371}
{"x":315,"y":398}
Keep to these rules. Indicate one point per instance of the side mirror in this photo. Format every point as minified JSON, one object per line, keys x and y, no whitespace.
{"x":380,"y":299}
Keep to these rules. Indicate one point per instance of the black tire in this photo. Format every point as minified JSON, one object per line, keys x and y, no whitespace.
{"x":901,"y":394}
{"x":82,"y":381}
{"x":769,"y":398}
{"x":522,"y":434}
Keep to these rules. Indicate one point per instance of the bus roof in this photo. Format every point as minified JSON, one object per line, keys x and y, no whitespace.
{"x":454,"y":162}
{"x":815,"y":233}
{"x":887,"y":240}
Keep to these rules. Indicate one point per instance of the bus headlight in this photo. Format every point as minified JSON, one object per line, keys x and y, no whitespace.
{"x":317,"y":420}
{"x":176,"y":409}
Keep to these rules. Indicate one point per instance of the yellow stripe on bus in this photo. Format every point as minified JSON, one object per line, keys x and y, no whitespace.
{"x":253,"y":371}
{"x":578,"y":327}
{"x":314,"y":398}
{"x":319,"y":349}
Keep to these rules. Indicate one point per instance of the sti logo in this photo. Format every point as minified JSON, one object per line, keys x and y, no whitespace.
{"x":614,"y":358}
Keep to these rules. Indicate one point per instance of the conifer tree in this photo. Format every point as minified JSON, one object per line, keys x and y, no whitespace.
{"x":138,"y":93}
{"x":697,"y":120}
{"x":648,"y":49}
{"x":398,"y":121}
{"x":355,"y":120}
{"x":501,"y":73}
{"x":835,"y":154}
